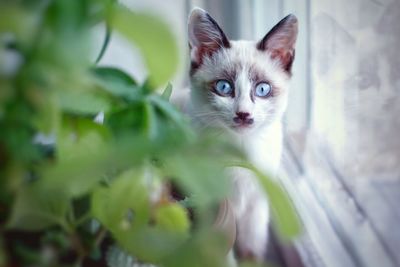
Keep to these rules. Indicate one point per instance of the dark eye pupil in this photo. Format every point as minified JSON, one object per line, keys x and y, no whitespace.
{"x":263,"y":90}
{"x":224,"y":87}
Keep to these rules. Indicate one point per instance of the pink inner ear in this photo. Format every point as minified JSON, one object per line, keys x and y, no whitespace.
{"x":206,"y":50}
{"x":200,"y":52}
{"x":205,"y":37}
{"x":284,"y":56}
{"x":196,"y":54}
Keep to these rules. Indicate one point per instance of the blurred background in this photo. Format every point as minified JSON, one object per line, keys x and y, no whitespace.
{"x":342,"y":158}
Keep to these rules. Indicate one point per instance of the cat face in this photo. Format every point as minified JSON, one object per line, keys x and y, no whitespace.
{"x":239,"y":85}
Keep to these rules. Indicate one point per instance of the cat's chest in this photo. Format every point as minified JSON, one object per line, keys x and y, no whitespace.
{"x":264,"y":148}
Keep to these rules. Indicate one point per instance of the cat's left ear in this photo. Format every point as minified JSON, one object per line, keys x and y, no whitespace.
{"x":280,"y":41}
{"x":205,"y":36}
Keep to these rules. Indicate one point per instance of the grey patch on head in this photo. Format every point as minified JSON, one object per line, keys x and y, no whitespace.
{"x":231,"y":73}
{"x":256,"y":75}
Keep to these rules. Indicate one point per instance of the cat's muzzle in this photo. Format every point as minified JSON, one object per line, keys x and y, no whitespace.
{"x":243,"y":119}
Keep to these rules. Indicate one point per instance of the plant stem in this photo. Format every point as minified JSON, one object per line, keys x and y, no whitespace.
{"x":83,"y":219}
{"x":100,"y":236}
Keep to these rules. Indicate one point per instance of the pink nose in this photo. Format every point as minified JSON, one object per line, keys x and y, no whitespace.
{"x":243,"y":118}
{"x":242,"y":115}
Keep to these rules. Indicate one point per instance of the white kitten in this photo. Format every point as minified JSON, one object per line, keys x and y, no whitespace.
{"x":242,"y":87}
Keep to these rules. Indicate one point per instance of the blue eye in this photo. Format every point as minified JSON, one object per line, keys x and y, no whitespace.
{"x":223,"y":88}
{"x":263,"y":90}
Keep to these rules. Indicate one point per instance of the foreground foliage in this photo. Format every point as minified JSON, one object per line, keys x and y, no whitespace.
{"x":74,"y":191}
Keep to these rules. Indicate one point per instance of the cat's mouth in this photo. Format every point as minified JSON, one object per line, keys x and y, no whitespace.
{"x":242,"y":124}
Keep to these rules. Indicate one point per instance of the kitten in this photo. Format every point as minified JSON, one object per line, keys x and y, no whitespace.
{"x":241,"y":87}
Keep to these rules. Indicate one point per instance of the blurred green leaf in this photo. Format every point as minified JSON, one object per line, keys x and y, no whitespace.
{"x":28,"y":255}
{"x":150,"y":244}
{"x":167,"y":92}
{"x":56,"y":238}
{"x":104,"y":173}
{"x":35,"y":210}
{"x":84,"y":103}
{"x":127,"y":118}
{"x":67,"y":17}
{"x":114,"y":75}
{"x":284,"y":215}
{"x":3,"y":255}
{"x":172,"y":217}
{"x":151,"y":125}
{"x":253,"y":264}
{"x":205,"y":248}
{"x":172,"y":113}
{"x":153,"y":38}
{"x":117,"y":83}
{"x":15,"y":19}
{"x":48,"y":117}
{"x":202,"y":179}
{"x":126,"y":197}
{"x":81,"y":148}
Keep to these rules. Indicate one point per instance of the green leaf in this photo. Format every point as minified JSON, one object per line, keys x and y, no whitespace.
{"x":153,"y":38}
{"x":128,"y":118}
{"x":206,"y":247}
{"x":117,"y":83}
{"x":172,"y":217}
{"x":283,"y":212}
{"x":172,"y":114}
{"x":150,"y":244}
{"x":19,"y":21}
{"x":167,"y":92}
{"x":151,"y":126}
{"x":199,"y":176}
{"x":48,"y":114}
{"x":27,"y":254}
{"x":67,"y":17}
{"x":124,"y":205}
{"x":81,"y":153}
{"x":114,"y":75}
{"x":83,"y":103}
{"x":3,"y":255}
{"x":36,"y":210}
{"x":253,"y":264}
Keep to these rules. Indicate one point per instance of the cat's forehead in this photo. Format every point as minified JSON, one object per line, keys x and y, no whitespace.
{"x":243,"y":57}
{"x":246,"y":54}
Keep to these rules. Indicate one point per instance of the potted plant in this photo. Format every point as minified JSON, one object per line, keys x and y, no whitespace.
{"x":75,"y":192}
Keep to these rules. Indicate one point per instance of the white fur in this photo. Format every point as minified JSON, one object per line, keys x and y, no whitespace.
{"x":262,"y":142}
{"x":242,"y":52}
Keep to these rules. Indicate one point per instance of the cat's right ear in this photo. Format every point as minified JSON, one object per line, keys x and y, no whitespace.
{"x":280,"y":41}
{"x":205,"y":36}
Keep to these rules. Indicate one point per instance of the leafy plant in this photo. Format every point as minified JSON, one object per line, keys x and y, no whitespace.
{"x":74,"y":191}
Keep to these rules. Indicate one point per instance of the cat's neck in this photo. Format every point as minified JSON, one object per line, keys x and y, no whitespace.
{"x":263,"y":147}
